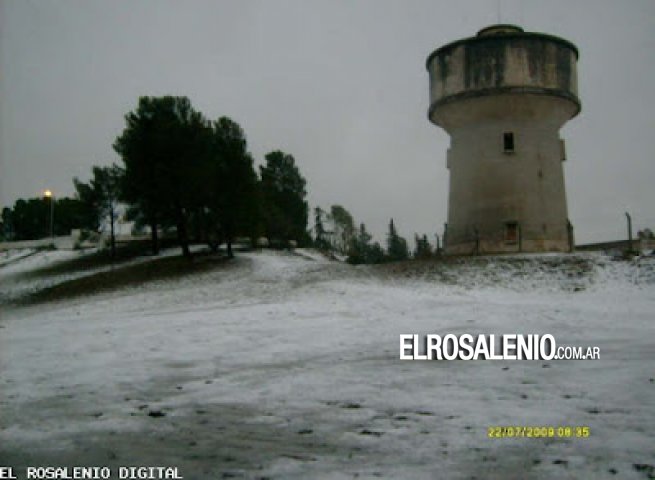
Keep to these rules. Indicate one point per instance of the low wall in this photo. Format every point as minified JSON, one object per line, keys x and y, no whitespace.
{"x":617,"y":246}
{"x":68,"y":242}
{"x":60,"y":243}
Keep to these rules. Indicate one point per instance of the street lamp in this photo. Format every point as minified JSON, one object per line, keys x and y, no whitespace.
{"x":48,"y":194}
{"x":629,"y":219}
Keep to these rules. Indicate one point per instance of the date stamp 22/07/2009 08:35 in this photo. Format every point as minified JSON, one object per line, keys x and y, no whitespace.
{"x":540,"y":431}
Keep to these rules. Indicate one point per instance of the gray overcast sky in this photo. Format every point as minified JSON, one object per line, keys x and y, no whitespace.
{"x":341,"y":85}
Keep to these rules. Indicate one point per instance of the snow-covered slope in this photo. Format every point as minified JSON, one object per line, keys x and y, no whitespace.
{"x":17,"y":278}
{"x":282,"y":366}
{"x":10,"y":256}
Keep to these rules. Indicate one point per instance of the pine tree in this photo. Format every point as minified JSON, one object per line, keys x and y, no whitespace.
{"x":362,"y":250}
{"x":396,"y":245}
{"x":343,"y":228}
{"x":283,"y":194}
{"x":375,"y":254}
{"x":359,"y":247}
{"x":100,"y":195}
{"x":162,"y":148}
{"x":320,"y":240}
{"x":231,"y":189}
{"x":423,"y":248}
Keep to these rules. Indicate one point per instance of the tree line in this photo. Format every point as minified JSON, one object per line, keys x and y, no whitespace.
{"x":181,"y":171}
{"x":335,"y":232}
{"x":30,"y":218}
{"x":186,"y":174}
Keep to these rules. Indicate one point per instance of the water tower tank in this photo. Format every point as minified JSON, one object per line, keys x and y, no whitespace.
{"x":503,"y":96}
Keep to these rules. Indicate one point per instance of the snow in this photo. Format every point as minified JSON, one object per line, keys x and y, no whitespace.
{"x":16,"y":279}
{"x":9,"y":256}
{"x":310,"y":254}
{"x":286,"y":365}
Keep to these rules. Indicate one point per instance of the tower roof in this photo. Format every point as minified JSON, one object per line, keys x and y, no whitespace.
{"x":499,"y":29}
{"x":501,"y":32}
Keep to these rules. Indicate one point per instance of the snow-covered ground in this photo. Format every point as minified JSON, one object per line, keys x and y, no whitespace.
{"x":9,"y":256}
{"x":17,"y":277}
{"x":286,"y":366}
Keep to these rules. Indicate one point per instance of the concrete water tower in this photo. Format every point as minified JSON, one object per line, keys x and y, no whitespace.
{"x":503,"y":96}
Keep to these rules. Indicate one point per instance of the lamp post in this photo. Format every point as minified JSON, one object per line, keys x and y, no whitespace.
{"x":48,"y":194}
{"x":629,"y":218}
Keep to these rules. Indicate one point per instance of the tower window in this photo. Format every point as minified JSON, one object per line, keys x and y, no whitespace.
{"x":508,"y":142}
{"x":511,"y":232}
{"x":562,"y":147}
